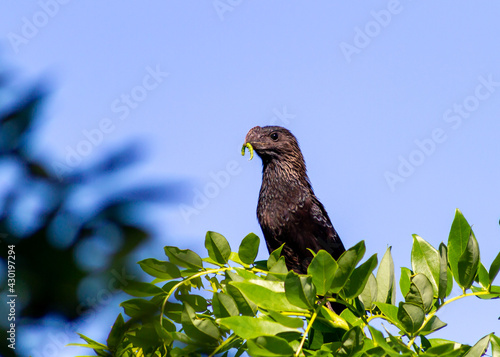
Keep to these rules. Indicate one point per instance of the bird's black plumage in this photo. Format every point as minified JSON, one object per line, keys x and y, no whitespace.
{"x":288,"y":210}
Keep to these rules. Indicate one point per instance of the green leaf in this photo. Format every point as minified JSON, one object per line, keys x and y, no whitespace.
{"x":421,"y":292}
{"x":292,"y":322}
{"x":172,"y":310}
{"x":494,"y":268}
{"x":229,"y":345}
{"x":275,"y":286}
{"x":245,"y":305}
{"x":232,"y":276}
{"x":386,"y":280}
{"x":246,"y":274}
{"x":479,"y":348}
{"x":160,"y":269}
{"x":184,"y":257}
{"x":274,"y":257}
{"x":334,"y":319}
{"x":197,"y":302}
{"x":224,"y":305}
{"x":168,"y":325}
{"x":390,"y":311}
{"x":405,"y":280}
{"x":346,"y":264}
{"x":358,"y":306}
{"x":379,"y":340}
{"x":266,"y":294}
{"x":278,"y":271}
{"x":218,"y":247}
{"x":377,"y":336}
{"x":248,"y":327}
{"x":116,"y":333}
{"x":140,"y":289}
{"x":425,"y":259}
{"x":398,"y":344}
{"x":200,"y":329}
{"x":236,"y":258}
{"x":269,"y":346}
{"x":424,"y":343}
{"x":322,"y":269}
{"x":369,"y":294}
{"x":495,"y":289}
{"x":359,"y":277}
{"x":90,"y":343}
{"x":138,"y":308}
{"x":352,"y":342}
{"x":494,"y":292}
{"x":149,"y":335}
{"x":240,"y":351}
{"x":144,"y":337}
{"x":164,"y":335}
{"x":432,"y":325}
{"x":468,"y":263}
{"x":495,"y":345}
{"x":482,"y":276}
{"x":261,"y":264}
{"x":441,"y":341}
{"x":299,"y":290}
{"x":233,"y":256}
{"x":411,"y":316}
{"x":182,"y":337}
{"x":330,"y":347}
{"x":249,"y":248}
{"x":443,"y":272}
{"x":445,"y":349}
{"x":457,"y":240}
{"x":449,"y":284}
{"x":350,"y":318}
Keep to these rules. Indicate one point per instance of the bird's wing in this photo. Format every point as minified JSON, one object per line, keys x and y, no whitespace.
{"x":324,"y":233}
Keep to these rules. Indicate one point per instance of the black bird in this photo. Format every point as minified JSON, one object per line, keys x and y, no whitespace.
{"x":288,"y":210}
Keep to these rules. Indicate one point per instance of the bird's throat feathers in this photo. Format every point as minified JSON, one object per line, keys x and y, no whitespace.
{"x":281,"y":173}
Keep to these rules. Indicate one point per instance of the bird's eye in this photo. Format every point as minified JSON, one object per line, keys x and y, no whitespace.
{"x":274,"y":136}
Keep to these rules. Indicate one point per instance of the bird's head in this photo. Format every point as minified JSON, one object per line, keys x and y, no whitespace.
{"x":273,"y":143}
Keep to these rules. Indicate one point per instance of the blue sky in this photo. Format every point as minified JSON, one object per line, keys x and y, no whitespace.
{"x":395,"y":105}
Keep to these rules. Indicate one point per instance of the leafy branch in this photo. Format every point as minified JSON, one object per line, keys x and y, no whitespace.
{"x":260,"y":308}
{"x":433,"y":313}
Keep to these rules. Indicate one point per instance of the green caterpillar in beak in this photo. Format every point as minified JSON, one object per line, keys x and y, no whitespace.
{"x":250,"y":148}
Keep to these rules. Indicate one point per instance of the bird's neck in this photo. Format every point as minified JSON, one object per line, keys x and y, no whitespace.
{"x":283,"y":174}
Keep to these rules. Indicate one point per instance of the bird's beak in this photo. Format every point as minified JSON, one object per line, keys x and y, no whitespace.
{"x":252,"y":134}
{"x":249,"y":139}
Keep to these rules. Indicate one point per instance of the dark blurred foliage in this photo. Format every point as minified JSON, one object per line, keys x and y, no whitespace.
{"x":72,"y":233}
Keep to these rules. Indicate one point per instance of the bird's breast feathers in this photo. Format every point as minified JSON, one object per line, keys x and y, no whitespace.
{"x":278,"y":211}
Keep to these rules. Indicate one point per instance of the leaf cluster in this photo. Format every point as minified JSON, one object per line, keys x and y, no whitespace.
{"x":230,"y":303}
